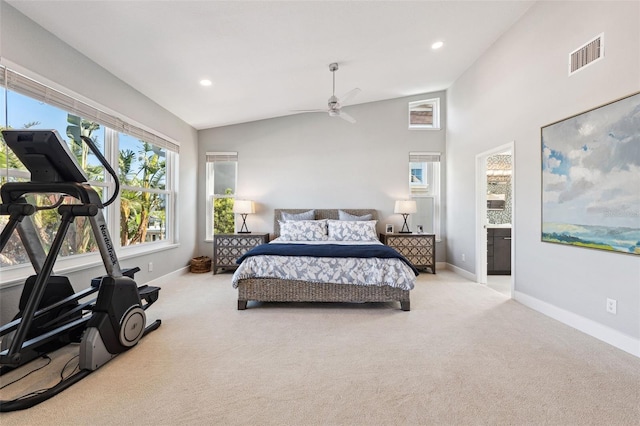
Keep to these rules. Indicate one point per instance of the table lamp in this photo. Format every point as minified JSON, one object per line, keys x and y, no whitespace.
{"x":243,"y":207}
{"x":405,"y":208}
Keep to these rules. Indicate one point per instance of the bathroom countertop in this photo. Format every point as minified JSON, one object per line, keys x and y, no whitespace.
{"x":498,"y":225}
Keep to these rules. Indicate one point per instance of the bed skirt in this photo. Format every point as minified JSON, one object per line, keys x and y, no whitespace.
{"x":278,"y":290}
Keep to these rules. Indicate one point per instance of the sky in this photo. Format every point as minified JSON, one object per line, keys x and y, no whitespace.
{"x":591,"y":167}
{"x":20,"y":110}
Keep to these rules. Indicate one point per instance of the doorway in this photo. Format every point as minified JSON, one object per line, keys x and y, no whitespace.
{"x":495,"y":221}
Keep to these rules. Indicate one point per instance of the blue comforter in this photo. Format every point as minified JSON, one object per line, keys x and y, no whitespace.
{"x":327,"y":250}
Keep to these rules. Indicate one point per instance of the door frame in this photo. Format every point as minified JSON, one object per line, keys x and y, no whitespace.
{"x":481,"y":212}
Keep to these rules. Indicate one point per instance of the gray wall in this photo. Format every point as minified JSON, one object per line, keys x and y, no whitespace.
{"x":26,"y":46}
{"x":519,"y":85}
{"x":316,"y":161}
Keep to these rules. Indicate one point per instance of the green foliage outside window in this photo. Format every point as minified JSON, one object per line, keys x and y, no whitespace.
{"x":223,"y":219}
{"x":139,"y":208}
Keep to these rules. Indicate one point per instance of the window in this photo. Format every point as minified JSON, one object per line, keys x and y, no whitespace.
{"x":221,"y":178}
{"x":424,"y":187}
{"x":145,"y":163}
{"x":424,"y":114}
{"x":143,"y":172}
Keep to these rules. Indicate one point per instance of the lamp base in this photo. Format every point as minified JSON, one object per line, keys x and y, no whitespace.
{"x":405,"y":228}
{"x":243,"y":228}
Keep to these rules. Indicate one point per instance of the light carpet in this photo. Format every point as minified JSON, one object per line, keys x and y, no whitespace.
{"x":463,"y":355}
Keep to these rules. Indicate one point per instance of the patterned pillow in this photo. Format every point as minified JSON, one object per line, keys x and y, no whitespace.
{"x":303,"y":230}
{"x":310,"y":215}
{"x":363,"y":230}
{"x":342,"y":215}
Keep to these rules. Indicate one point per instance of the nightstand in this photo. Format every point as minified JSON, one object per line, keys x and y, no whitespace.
{"x":419,"y":249}
{"x":227,"y":248}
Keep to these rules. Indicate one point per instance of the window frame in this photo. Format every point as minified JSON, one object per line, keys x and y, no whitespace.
{"x":435,"y":107}
{"x":12,"y":81}
{"x":167,"y":192}
{"x":210,"y":159}
{"x":433,"y":178}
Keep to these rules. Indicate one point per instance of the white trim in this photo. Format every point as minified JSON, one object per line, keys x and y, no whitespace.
{"x":172,"y":177}
{"x":12,"y":276}
{"x":606,"y":334}
{"x":141,"y":189}
{"x":481,"y":212}
{"x":481,"y":217}
{"x":163,"y":279}
{"x":434,"y":159}
{"x":435,"y":105}
{"x":211,"y":158}
{"x":462,"y":272}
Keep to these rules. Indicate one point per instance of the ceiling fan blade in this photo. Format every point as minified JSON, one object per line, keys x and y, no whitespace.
{"x":349,"y":95}
{"x":347,"y":117}
{"x":308,"y":110}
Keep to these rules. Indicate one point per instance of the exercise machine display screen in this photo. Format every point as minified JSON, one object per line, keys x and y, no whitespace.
{"x":45,"y":154}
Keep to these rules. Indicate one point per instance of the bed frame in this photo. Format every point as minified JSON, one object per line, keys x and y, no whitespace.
{"x":278,"y":290}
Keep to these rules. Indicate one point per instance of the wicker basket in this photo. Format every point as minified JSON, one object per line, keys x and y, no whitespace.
{"x":200,"y":265}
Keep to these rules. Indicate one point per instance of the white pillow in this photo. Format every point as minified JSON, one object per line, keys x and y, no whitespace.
{"x":303,"y":230}
{"x":342,"y":215}
{"x":362,"y":230}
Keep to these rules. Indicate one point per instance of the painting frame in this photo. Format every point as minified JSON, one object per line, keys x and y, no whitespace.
{"x":590,"y":164}
{"x":388,"y":229}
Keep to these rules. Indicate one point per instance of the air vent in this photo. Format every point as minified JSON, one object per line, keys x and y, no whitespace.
{"x":586,"y":54}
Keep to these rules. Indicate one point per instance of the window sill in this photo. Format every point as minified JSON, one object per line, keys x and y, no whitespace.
{"x":16,"y":275}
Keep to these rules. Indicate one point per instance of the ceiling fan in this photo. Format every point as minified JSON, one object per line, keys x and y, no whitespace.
{"x":334,"y":103}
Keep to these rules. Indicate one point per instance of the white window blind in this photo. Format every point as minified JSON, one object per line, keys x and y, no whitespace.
{"x":31,"y":88}
{"x":213,"y":157}
{"x":424,"y":157}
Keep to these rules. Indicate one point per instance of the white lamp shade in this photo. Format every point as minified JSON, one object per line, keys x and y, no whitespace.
{"x":243,"y":207}
{"x":405,"y":207}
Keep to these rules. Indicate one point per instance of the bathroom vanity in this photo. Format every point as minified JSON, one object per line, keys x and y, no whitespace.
{"x":499,"y":249}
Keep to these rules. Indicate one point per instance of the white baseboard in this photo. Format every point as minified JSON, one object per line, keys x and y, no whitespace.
{"x":163,"y":278}
{"x":606,"y":334}
{"x":462,"y":272}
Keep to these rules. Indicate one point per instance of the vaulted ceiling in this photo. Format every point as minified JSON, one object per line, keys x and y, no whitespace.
{"x":267,"y":58}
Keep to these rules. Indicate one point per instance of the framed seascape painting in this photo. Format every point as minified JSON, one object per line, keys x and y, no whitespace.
{"x":591,"y":178}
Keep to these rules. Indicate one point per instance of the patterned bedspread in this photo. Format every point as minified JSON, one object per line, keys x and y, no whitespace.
{"x":377,"y":271}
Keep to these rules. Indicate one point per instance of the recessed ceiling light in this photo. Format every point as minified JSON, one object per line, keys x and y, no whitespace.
{"x":437,"y":45}
{"x":205,"y":82}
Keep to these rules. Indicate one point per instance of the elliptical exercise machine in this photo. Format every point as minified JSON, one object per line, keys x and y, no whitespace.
{"x":50,"y":314}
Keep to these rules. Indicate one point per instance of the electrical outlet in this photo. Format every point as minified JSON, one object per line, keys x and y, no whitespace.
{"x":150,"y":266}
{"x":612,"y":306}
{"x":464,"y":258}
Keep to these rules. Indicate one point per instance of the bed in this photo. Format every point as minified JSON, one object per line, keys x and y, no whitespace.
{"x":270,"y":276}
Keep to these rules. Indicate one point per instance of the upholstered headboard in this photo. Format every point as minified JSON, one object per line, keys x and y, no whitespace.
{"x":320,"y":214}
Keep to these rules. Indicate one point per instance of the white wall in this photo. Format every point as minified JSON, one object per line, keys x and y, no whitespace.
{"x":27,"y":47}
{"x":518,"y":86}
{"x":316,"y":161}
